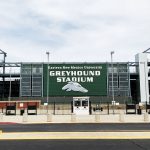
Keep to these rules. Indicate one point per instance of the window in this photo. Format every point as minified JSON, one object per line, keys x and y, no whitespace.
{"x":85,"y":103}
{"x":77,"y":103}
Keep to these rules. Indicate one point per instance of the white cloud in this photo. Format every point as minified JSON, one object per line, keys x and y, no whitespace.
{"x":74,"y":30}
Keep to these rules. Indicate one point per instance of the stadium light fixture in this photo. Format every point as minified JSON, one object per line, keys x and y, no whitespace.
{"x":112,"y":73}
{"x":47,"y":53}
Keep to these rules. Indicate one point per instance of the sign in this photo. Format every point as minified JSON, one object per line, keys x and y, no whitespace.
{"x":45,"y":104}
{"x":75,"y":79}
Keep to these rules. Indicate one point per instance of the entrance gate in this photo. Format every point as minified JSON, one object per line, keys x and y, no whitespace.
{"x":81,"y":105}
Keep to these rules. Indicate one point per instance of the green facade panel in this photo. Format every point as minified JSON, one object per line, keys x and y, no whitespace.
{"x":75,"y":79}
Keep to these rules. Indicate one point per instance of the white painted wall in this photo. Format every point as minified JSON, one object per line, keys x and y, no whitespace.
{"x":141,"y":58}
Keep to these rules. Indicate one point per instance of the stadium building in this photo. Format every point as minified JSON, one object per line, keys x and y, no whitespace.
{"x":60,"y":82}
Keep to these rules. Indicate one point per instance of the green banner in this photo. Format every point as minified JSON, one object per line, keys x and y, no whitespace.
{"x":75,"y":79}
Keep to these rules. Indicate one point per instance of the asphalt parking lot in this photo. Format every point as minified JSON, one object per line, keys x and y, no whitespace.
{"x":75,"y":127}
{"x":76,"y":145}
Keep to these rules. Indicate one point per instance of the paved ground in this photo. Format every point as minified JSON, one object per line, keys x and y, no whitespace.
{"x":76,"y":145}
{"x":79,"y":127}
{"x":73,"y":135}
{"x":74,"y":131}
{"x":98,"y":136}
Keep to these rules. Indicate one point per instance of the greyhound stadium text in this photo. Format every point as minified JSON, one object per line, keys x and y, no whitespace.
{"x":76,"y":76}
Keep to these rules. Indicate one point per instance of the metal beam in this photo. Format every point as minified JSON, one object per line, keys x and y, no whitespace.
{"x":2,"y":52}
{"x":147,"y":51}
{"x":10,"y":64}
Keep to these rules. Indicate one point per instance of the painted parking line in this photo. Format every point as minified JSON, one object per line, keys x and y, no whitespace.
{"x":73,"y":135}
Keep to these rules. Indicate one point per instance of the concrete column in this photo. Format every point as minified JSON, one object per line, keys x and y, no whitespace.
{"x":141,"y":58}
{"x":97,"y":117}
{"x":73,"y":117}
{"x":25,"y":118}
{"x":146,"y":117}
{"x":49,"y":117}
{"x":121,"y":117}
{"x":1,"y":116}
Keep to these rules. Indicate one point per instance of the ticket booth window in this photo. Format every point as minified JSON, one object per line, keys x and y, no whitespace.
{"x":84,"y":103}
{"x":77,"y":103}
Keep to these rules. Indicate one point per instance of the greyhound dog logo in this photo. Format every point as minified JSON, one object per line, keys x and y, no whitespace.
{"x":74,"y":86}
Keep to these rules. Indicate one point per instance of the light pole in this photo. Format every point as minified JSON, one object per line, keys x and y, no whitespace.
{"x":112,"y":74}
{"x":47,"y":53}
{"x":9,"y":98}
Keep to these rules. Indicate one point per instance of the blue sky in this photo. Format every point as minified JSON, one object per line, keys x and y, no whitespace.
{"x":74,"y":30}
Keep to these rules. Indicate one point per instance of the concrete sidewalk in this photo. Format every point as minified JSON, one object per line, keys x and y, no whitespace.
{"x":97,"y":118}
{"x":73,"y":135}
